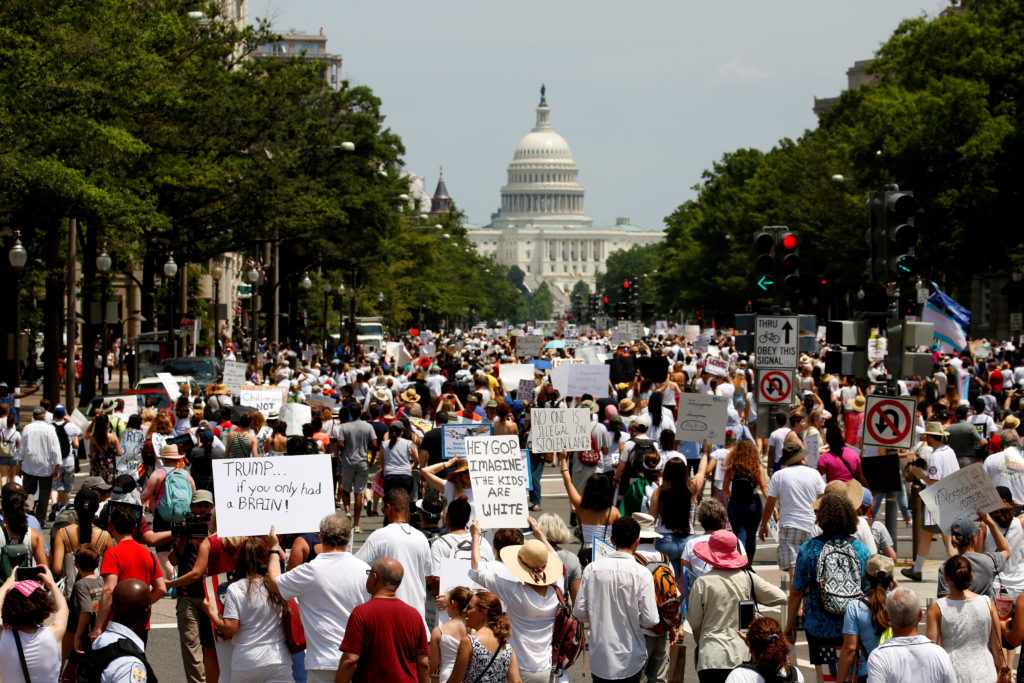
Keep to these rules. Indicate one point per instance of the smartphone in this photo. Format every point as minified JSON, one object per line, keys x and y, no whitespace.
{"x":746,"y":615}
{"x":27,"y":573}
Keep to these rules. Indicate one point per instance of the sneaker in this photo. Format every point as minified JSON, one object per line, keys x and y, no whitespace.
{"x":356,"y":530}
{"x":911,"y":574}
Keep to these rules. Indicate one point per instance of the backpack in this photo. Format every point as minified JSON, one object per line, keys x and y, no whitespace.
{"x":465,"y":547}
{"x":63,"y":439}
{"x":931,"y":391}
{"x":567,"y":641}
{"x":300,"y":445}
{"x":14,"y":554}
{"x":666,"y":591}
{"x":642,"y":446}
{"x":591,"y":457}
{"x":742,"y":487}
{"x":839,"y":575}
{"x":92,"y":663}
{"x":176,"y":497}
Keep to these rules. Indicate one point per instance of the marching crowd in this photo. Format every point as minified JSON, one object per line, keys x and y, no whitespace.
{"x":666,"y":529}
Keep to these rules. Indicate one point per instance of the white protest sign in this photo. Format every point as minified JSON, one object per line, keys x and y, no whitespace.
{"x":234,"y":376}
{"x":601,"y":548}
{"x":319,"y":402}
{"x":524,"y":454}
{"x":691,"y":332}
{"x":571,"y":344}
{"x":397,"y":352}
{"x":702,"y":416}
{"x":265,"y":399}
{"x":170,"y":386}
{"x":877,"y":348}
{"x":716,"y":366}
{"x":499,"y":487}
{"x":454,"y":572}
{"x":590,"y":353}
{"x":700,"y":345}
{"x":621,"y":338}
{"x":428,"y":351}
{"x":530,"y":345}
{"x":527,"y":389}
{"x":557,"y":429}
{"x":80,"y":420}
{"x":555,"y":362}
{"x":511,"y":374}
{"x":292,"y":493}
{"x":295,"y":415}
{"x":964,"y":493}
{"x":588,"y":379}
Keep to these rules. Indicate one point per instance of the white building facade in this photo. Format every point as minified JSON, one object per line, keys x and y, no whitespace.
{"x":541,"y":226}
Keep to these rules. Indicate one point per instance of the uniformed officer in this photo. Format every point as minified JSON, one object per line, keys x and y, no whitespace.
{"x":129,"y":616}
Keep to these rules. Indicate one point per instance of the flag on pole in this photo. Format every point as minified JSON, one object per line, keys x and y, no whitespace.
{"x":217,"y":587}
{"x":948,"y":332}
{"x":946,"y":303}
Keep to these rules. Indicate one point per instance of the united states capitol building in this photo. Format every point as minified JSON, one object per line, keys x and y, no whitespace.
{"x":541,"y":226}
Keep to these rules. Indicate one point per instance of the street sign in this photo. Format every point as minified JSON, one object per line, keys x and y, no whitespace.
{"x":1015,"y":322}
{"x":187,"y":323}
{"x":776,"y":342}
{"x":244,"y":289}
{"x":889,"y":422}
{"x":774,"y":387}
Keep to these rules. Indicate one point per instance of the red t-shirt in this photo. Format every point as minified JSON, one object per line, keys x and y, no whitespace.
{"x":131,"y":560}
{"x":995,"y":380}
{"x":389,"y":636}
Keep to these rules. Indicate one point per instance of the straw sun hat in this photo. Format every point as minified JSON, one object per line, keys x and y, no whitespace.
{"x":532,"y":563}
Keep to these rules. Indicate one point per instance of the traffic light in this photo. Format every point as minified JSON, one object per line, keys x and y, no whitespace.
{"x":900,"y":361}
{"x":790,"y":261}
{"x":764,"y":250}
{"x":900,"y":233}
{"x":875,"y":236}
{"x":621,"y":311}
{"x":607,"y":305}
{"x":647,"y":310}
{"x":848,"y":356}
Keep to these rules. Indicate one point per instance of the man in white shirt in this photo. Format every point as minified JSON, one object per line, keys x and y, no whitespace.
{"x":1006,"y":468}
{"x":776,"y":440}
{"x":941,"y":463}
{"x":656,"y":668}
{"x":66,"y":481}
{"x":907,"y":657}
{"x":328,"y":588}
{"x":407,"y":545}
{"x":795,"y":487}
{"x":616,"y":597}
{"x":39,"y":460}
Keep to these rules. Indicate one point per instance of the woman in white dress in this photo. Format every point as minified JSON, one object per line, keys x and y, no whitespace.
{"x":966,"y":625}
{"x":445,"y":639}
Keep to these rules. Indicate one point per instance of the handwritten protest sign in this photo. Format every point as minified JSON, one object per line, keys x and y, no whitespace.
{"x":454,"y":572}
{"x":319,"y":402}
{"x":453,"y":441}
{"x":527,"y":389}
{"x":295,"y":415}
{"x":291,"y":492}
{"x":428,"y":351}
{"x":264,"y":399}
{"x":718,"y":367}
{"x":397,"y":352}
{"x":511,"y":374}
{"x":499,"y":487}
{"x":576,"y":379}
{"x":964,"y":493}
{"x":691,"y":332}
{"x":170,"y":386}
{"x":556,"y":429}
{"x":530,"y":345}
{"x":590,"y":353}
{"x":555,"y":362}
{"x":234,"y":376}
{"x":702,"y":416}
{"x":619,"y":338}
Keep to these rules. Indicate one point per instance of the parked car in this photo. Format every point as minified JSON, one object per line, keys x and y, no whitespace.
{"x":150,"y":382}
{"x":205,"y":369}
{"x":158,"y":395}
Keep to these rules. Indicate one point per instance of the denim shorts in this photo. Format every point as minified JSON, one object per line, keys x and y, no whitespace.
{"x":66,"y":481}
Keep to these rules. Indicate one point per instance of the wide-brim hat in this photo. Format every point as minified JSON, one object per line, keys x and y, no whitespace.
{"x":859,"y":403}
{"x":461,"y":465}
{"x":721,"y":551}
{"x":170,"y":452}
{"x":646,"y":522}
{"x":589,"y":404}
{"x":219,"y":389}
{"x":382,"y":395}
{"x":410,"y":396}
{"x":935,"y":429}
{"x":851,"y":490}
{"x":792,"y":452}
{"x":532,"y":563}
{"x":626,"y":405}
{"x":1011,"y":422}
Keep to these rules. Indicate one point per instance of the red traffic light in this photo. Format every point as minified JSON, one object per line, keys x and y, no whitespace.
{"x":824,"y":282}
{"x":790,"y":241}
{"x":606,"y":299}
{"x":626,"y":284}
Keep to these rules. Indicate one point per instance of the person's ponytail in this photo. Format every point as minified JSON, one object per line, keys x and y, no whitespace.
{"x":502,"y":628}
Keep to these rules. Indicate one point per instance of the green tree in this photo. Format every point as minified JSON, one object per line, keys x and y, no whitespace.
{"x":542,"y":302}
{"x":639,"y":261}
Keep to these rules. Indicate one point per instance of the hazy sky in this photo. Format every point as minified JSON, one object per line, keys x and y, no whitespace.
{"x":647,"y":93}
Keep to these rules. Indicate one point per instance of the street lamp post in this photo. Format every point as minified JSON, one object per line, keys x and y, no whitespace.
{"x":170,"y":270}
{"x":254,"y":278}
{"x":327,"y":293}
{"x":18,"y":257}
{"x":103,"y":264}
{"x":216,"y":272}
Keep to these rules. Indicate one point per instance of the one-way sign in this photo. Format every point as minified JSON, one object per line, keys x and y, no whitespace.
{"x":776,"y":342}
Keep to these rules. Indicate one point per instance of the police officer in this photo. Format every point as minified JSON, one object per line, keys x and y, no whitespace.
{"x":130,"y":614}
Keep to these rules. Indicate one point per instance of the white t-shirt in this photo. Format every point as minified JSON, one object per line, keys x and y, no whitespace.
{"x":260,"y":638}
{"x":741,"y":675}
{"x":720,"y":456}
{"x":1006,"y":468}
{"x":328,"y":588}
{"x":909,"y":659}
{"x":864,"y":535}
{"x":795,"y":488}
{"x":72,"y":430}
{"x":410,"y":548}
{"x":1012,"y":576}
{"x":776,"y":440}
{"x":942,"y":463}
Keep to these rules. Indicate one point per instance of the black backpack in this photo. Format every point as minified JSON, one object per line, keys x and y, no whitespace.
{"x":301,"y":445}
{"x":63,"y":439}
{"x":92,"y":663}
{"x":642,"y":446}
{"x":742,"y":488}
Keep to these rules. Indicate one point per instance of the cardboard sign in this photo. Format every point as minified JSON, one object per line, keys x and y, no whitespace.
{"x":527,"y":390}
{"x":399,"y":354}
{"x":318,"y":402}
{"x":716,"y":366}
{"x":557,"y":429}
{"x":291,"y":492}
{"x":555,"y":362}
{"x":576,"y":379}
{"x":234,"y":376}
{"x":453,"y":437}
{"x":691,"y":332}
{"x":170,"y":386}
{"x":530,"y":345}
{"x":964,"y":493}
{"x":601,"y":548}
{"x":511,"y":374}
{"x":702,"y":416}
{"x":295,"y":415}
{"x":265,"y":399}
{"x":499,"y":487}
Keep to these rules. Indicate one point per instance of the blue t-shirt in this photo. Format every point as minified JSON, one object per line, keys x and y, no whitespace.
{"x":817,"y":621}
{"x":857,"y":622}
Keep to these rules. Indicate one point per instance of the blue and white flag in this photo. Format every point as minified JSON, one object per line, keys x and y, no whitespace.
{"x":944,"y":302}
{"x":950,"y":335}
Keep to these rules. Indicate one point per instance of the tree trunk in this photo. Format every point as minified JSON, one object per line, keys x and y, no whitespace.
{"x":51,"y":313}
{"x":90,"y":329}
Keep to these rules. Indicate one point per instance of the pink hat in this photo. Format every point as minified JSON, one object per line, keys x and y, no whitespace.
{"x":721,"y":551}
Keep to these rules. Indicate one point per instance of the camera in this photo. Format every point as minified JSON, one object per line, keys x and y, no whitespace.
{"x":194,"y":526}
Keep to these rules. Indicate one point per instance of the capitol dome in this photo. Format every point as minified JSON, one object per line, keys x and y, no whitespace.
{"x":543,"y":180}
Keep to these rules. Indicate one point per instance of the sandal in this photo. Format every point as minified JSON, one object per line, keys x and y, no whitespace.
{"x":536,"y":508}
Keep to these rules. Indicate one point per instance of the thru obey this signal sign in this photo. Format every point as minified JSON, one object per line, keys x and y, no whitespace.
{"x":774,"y":387}
{"x":889,"y":422}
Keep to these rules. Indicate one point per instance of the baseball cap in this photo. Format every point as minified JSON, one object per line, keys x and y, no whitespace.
{"x":96,"y":483}
{"x":879,"y":566}
{"x":123,"y":483}
{"x":59,"y":411}
{"x":964,"y":528}
{"x":202,"y":496}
